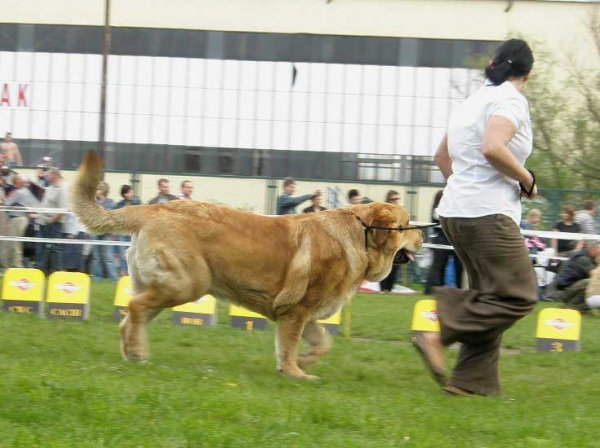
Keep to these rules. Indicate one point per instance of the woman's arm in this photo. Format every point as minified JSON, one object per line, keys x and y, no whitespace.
{"x":442,"y":158}
{"x":499,"y":131}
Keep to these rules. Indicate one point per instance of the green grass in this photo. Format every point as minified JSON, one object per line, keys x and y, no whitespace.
{"x":63,"y":384}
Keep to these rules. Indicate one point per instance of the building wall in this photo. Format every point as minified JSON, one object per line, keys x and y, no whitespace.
{"x":373,"y":86}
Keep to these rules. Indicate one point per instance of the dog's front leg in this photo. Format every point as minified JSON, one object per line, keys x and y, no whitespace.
{"x":287,"y":338}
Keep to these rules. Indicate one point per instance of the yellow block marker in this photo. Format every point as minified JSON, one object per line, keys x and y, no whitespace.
{"x":558,"y":330}
{"x":23,"y":291}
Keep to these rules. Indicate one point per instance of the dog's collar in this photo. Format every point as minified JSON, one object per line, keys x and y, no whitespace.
{"x":400,"y":228}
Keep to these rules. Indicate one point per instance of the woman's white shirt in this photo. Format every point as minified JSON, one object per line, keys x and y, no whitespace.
{"x":475,"y":188}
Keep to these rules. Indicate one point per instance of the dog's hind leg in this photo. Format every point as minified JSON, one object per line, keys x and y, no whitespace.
{"x":288,"y":332}
{"x":320,"y":344}
{"x":142,"y":309}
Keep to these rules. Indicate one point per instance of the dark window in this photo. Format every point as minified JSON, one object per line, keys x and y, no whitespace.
{"x":192,"y":162}
{"x":25,"y":36}
{"x":435,"y":53}
{"x":8,"y":37}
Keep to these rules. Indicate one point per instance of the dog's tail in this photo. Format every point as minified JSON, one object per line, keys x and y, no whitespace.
{"x":82,"y":200}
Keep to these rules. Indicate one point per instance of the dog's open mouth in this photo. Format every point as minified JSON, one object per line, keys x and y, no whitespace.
{"x":403,"y":256}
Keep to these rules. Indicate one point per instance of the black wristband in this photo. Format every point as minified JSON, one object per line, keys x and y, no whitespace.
{"x":523,"y":189}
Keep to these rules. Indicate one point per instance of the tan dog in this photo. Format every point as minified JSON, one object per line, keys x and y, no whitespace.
{"x":292,"y":269}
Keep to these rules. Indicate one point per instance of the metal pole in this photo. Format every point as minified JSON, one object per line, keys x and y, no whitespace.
{"x":105,"y":53}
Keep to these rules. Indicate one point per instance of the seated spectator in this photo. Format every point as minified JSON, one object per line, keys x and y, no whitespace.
{"x":592,"y":293}
{"x":566,"y":248}
{"x":286,"y":204}
{"x":163,"y":193}
{"x":316,"y":205}
{"x":573,"y":278}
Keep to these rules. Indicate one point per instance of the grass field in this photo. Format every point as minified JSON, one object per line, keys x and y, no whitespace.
{"x":63,"y":384}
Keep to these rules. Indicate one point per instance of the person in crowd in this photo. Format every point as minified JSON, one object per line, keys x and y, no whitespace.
{"x":163,"y":193}
{"x":10,"y":154}
{"x":73,"y":257}
{"x":534,"y":244}
{"x":187,"y":189}
{"x":50,"y":255}
{"x":441,"y":257}
{"x":573,"y":278}
{"x":286,"y":204}
{"x":482,"y":156}
{"x":354,"y":197}
{"x":20,"y":196}
{"x":103,"y":259}
{"x":316,"y":205}
{"x":387,"y":284}
{"x":129,"y":199}
{"x":592,"y":293}
{"x":585,"y":217}
{"x":566,"y":248}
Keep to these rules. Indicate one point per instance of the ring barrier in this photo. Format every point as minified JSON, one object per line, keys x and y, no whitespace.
{"x":541,"y":234}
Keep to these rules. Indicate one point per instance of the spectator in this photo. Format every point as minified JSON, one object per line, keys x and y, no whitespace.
{"x":103,"y":259}
{"x":316,"y":205}
{"x":47,"y":162}
{"x":128,"y":199}
{"x":566,"y":248}
{"x":187,"y":188}
{"x":50,"y":255}
{"x":534,"y":243}
{"x":592,"y":293}
{"x":354,"y":197}
{"x":441,"y":257}
{"x":163,"y":193}
{"x":585,"y":217}
{"x":387,"y":284}
{"x":20,"y":196}
{"x":572,"y":280}
{"x":10,"y":152}
{"x":3,"y":229}
{"x":73,"y":259}
{"x":42,"y":176}
{"x":286,"y":204}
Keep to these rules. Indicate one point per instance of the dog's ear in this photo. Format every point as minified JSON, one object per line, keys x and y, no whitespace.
{"x":382,"y":218}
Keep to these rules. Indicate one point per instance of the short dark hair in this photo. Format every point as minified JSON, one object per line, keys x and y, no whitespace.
{"x":161,"y":180}
{"x":589,"y":205}
{"x":125,"y":189}
{"x":353,"y":193}
{"x":288,"y":181}
{"x":512,"y":58}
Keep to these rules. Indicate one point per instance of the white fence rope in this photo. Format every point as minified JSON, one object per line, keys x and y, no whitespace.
{"x":541,"y":234}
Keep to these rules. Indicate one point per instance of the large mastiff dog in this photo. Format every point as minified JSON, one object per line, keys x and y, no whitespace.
{"x":292,"y":269}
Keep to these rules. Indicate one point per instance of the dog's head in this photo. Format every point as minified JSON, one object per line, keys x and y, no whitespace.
{"x":382,"y":244}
